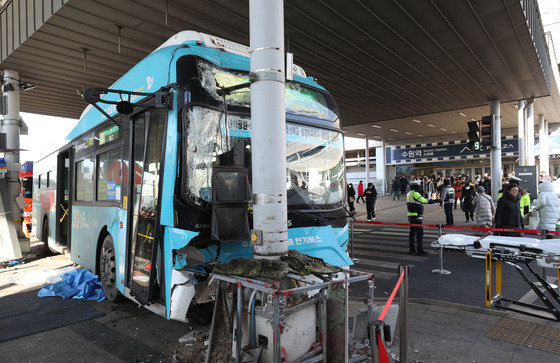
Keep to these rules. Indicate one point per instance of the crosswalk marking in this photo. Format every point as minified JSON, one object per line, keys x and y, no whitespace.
{"x":373,"y":246}
{"x":365,"y":254}
{"x":380,"y":263}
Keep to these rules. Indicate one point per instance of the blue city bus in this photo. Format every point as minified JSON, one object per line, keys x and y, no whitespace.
{"x":130,"y":196}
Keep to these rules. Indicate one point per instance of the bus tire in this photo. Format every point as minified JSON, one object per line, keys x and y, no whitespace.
{"x":46,"y":251}
{"x":108,"y":269}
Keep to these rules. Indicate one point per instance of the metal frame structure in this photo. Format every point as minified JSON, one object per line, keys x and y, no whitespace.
{"x":275,"y":293}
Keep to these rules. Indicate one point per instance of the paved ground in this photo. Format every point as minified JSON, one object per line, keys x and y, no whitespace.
{"x":447,"y":318}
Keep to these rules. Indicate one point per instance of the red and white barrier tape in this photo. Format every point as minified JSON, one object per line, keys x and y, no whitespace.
{"x":530,"y":231}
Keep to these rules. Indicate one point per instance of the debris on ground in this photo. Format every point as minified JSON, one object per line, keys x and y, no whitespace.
{"x":293,"y":262}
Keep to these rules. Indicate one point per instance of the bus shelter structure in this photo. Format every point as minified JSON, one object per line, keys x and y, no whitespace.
{"x":383,"y":61}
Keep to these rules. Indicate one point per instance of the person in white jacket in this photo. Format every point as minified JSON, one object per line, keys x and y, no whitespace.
{"x":548,"y":207}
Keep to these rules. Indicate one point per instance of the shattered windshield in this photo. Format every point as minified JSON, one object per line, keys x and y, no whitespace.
{"x":315,"y":168}
{"x":300,"y":100}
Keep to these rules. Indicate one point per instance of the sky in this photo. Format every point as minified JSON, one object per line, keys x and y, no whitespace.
{"x":47,"y":133}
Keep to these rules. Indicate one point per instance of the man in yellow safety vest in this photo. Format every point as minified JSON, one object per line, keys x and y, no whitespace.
{"x":415,"y":208}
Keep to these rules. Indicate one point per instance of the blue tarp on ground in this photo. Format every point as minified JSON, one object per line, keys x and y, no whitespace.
{"x":79,"y":284}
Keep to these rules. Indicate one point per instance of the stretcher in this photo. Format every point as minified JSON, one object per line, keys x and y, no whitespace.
{"x":516,"y":252}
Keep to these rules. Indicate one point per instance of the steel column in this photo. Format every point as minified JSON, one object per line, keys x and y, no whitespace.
{"x":268,"y":115}
{"x":521,"y":131}
{"x":496,"y":150}
{"x":380,"y":166}
{"x":10,"y":126}
{"x":367,"y":161}
{"x":544,"y":162}
{"x":529,"y":135}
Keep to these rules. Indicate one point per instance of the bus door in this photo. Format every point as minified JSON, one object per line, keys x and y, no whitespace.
{"x":63,"y":208}
{"x":145,"y":266}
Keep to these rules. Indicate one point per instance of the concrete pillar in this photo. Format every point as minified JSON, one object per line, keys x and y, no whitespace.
{"x":380,"y":166}
{"x":10,"y":126}
{"x":367,"y":161}
{"x":268,"y":115}
{"x":529,"y":135}
{"x":521,"y":131}
{"x":543,"y":145}
{"x":496,"y":150}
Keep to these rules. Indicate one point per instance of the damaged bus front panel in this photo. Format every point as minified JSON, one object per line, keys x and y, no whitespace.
{"x":151,"y":225}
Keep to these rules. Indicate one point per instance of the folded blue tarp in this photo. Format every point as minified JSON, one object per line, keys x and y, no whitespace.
{"x":79,"y":284}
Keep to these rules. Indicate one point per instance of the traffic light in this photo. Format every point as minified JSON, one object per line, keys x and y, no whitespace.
{"x":474,"y":136}
{"x":486,"y":130}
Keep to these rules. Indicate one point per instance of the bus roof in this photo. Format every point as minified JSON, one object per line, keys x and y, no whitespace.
{"x":156,"y":71}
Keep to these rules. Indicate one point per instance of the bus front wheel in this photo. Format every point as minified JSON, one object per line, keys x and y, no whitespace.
{"x":108,"y":269}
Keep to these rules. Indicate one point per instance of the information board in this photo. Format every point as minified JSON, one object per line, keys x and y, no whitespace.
{"x":528,"y":176}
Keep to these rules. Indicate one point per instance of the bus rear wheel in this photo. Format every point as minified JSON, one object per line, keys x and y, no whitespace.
{"x":46,"y":251}
{"x":108,"y":269}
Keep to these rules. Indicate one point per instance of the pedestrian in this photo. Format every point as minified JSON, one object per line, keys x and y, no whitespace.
{"x":395,"y":188}
{"x":467,"y":194}
{"x":448,"y":196}
{"x":351,"y":197}
{"x":403,"y":183}
{"x":360,"y":192}
{"x":415,"y":211}
{"x":371,"y":197}
{"x":524,"y":202}
{"x":484,"y":208}
{"x":457,"y":186}
{"x":508,"y":214}
{"x":548,"y":207}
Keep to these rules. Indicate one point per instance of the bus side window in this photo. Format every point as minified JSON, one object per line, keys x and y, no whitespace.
{"x":48,"y":179}
{"x":39,"y":183}
{"x":85,"y":180}
{"x":109,"y":175}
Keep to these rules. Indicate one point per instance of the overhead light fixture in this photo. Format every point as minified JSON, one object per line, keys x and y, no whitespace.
{"x":390,"y":139}
{"x":431,"y":125}
{"x":376,"y":126}
{"x":408,"y":133}
{"x":393,"y":130}
{"x":443,"y":129}
{"x":415,"y":120}
{"x":453,"y":131}
{"x":462,"y":114}
{"x":360,"y":133}
{"x":344,"y":131}
{"x":515,"y":105}
{"x":420,"y":135}
{"x":473,"y":119}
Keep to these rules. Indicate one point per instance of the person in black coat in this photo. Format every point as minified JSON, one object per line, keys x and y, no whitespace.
{"x":351,"y":197}
{"x":371,"y":197}
{"x":467,"y":194}
{"x":508,"y":214}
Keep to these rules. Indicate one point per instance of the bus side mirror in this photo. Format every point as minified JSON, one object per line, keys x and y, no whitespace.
{"x":125,"y":107}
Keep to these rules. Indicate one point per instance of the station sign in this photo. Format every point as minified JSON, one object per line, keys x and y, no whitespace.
{"x":3,"y":168}
{"x":444,"y":151}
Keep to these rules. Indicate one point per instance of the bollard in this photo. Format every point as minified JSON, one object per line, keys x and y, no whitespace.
{"x":403,"y":302}
{"x":352,"y":240}
{"x":441,"y":270}
{"x":488,"y":285}
{"x":346,"y":323}
{"x":239,"y":326}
